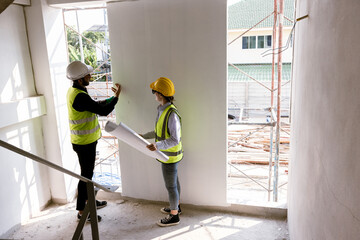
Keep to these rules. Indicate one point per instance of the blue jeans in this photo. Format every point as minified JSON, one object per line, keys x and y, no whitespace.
{"x":172,"y":183}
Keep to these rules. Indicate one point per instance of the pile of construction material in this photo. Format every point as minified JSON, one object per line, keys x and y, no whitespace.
{"x":251,"y":144}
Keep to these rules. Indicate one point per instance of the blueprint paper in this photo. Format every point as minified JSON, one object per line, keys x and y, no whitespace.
{"x":129,"y":136}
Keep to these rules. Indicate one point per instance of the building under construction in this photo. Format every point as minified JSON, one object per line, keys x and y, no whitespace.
{"x":189,"y":42}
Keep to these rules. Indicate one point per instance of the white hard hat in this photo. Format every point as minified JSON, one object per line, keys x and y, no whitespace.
{"x":77,"y":70}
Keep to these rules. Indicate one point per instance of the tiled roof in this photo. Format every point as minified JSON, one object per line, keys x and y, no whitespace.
{"x":261,"y":72}
{"x":246,"y":13}
{"x":97,"y":28}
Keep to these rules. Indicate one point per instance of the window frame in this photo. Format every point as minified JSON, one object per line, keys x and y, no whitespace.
{"x":248,"y":43}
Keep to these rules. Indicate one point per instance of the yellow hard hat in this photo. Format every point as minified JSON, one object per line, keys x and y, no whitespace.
{"x":164,"y":86}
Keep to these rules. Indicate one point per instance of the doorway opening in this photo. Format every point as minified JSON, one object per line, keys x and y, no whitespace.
{"x":259,"y":93}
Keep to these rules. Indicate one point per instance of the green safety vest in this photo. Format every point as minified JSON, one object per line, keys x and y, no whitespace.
{"x":175,"y":153}
{"x":84,"y":126}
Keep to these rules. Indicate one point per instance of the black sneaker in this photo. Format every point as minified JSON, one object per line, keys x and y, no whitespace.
{"x":88,"y":218}
{"x":100,"y":204}
{"x":167,"y":210}
{"x":170,"y":220}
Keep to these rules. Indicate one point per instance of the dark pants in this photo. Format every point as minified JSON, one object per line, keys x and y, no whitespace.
{"x":86,"y":155}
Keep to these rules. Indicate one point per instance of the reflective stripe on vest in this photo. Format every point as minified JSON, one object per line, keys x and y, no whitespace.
{"x":82,"y":120}
{"x":84,"y":126}
{"x":84,"y":132}
{"x":175,"y":153}
{"x":172,"y":153}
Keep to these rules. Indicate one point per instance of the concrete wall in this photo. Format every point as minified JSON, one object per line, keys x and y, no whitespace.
{"x":324,"y":175}
{"x":24,"y":185}
{"x":184,"y":40}
{"x":33,"y":112}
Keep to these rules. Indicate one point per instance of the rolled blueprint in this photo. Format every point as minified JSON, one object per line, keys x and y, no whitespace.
{"x":130,"y":137}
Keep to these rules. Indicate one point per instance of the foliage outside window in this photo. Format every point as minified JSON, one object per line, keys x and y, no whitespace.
{"x":89,"y":49}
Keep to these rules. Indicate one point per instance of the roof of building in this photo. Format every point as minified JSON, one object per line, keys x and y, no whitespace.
{"x":97,"y":28}
{"x":247,"y":13}
{"x":261,"y":72}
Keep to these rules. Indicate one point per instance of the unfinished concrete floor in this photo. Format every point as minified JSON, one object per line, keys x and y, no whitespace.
{"x":132,"y":219}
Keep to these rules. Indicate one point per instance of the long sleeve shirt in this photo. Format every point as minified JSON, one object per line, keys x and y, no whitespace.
{"x":83,"y":102}
{"x":174,"y":127}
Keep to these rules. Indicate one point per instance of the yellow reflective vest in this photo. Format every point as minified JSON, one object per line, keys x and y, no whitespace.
{"x":84,"y":126}
{"x":175,"y":153}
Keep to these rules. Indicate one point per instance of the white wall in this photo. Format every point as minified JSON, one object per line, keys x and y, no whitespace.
{"x":49,"y":58}
{"x":24,"y":185}
{"x":324,"y":170}
{"x":33,"y":61}
{"x":184,"y":40}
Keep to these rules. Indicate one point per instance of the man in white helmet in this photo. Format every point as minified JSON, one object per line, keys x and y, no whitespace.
{"x":84,"y":126}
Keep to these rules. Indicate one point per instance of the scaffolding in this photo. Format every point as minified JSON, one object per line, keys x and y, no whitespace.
{"x":274,"y":111}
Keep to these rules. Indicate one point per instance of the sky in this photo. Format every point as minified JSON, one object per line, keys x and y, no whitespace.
{"x":87,"y":18}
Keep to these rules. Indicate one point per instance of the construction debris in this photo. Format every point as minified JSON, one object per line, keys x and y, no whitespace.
{"x":252,"y":145}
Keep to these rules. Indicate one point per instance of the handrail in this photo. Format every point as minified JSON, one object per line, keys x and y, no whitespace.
{"x":90,"y":207}
{"x":50,"y":164}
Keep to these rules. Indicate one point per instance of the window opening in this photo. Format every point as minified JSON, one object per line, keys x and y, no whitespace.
{"x":87,"y":40}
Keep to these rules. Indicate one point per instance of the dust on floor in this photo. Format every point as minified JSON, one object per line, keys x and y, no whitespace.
{"x":128,"y":219}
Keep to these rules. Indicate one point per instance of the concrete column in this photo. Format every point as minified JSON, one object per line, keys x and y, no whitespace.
{"x":324,"y":172}
{"x":48,"y":51}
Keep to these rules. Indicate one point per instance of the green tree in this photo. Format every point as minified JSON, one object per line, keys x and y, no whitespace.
{"x":89,"y":49}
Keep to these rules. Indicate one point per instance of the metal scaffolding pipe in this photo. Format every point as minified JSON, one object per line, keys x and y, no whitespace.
{"x":275,"y":110}
{"x":249,"y":76}
{"x":250,"y":28}
{"x":279,"y":65}
{"x":80,"y":39}
{"x":272,"y":96}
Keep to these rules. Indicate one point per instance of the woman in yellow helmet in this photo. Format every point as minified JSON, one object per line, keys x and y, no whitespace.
{"x":167,"y":136}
